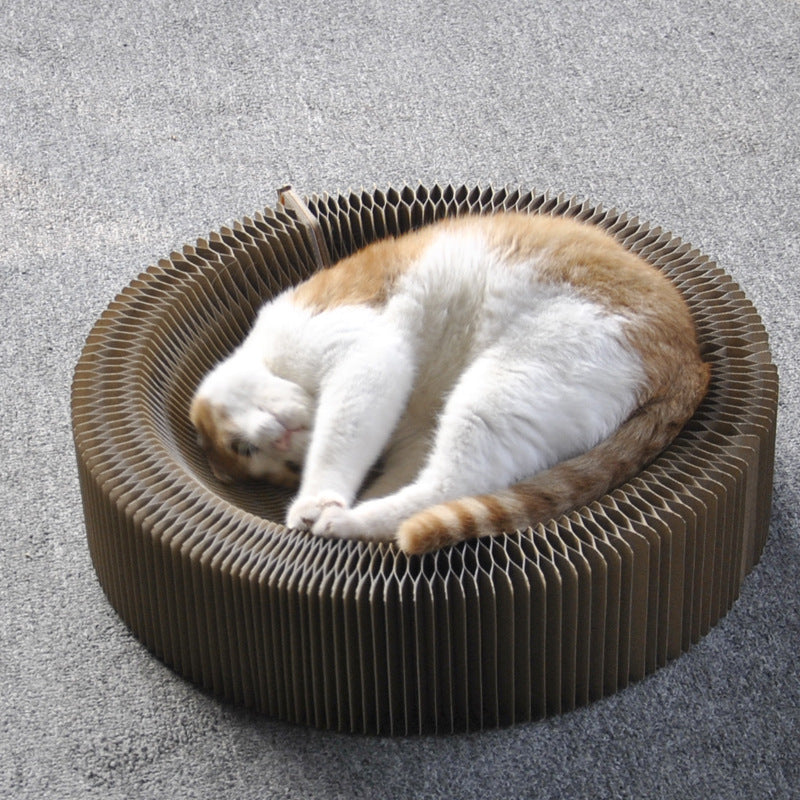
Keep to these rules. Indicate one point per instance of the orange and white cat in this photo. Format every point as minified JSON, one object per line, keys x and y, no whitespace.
{"x":499,"y":370}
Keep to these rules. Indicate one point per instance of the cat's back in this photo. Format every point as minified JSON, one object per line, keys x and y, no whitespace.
{"x":488,"y":254}
{"x":462,"y":282}
{"x":509,"y":268}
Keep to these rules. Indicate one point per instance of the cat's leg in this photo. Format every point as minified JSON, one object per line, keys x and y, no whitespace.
{"x":360,"y":402}
{"x":487,"y":439}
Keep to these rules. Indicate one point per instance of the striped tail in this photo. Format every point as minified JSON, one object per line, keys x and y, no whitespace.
{"x":569,"y":484}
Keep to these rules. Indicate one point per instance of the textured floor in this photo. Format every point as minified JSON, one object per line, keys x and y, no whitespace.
{"x":129,"y":129}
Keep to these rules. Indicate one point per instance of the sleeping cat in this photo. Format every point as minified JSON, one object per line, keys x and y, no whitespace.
{"x":498,"y":370}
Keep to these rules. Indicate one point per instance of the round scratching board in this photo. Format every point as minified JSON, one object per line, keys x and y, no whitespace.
{"x":356,"y":636}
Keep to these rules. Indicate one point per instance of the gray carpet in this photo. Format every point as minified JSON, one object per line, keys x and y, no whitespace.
{"x":128,"y":129}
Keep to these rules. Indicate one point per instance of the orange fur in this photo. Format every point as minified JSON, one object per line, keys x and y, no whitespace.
{"x":364,"y":278}
{"x":211,"y":429}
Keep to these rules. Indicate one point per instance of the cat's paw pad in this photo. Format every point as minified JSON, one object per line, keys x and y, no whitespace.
{"x":305,"y":511}
{"x":339,"y":523}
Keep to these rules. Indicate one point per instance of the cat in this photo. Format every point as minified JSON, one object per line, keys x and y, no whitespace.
{"x":499,"y":370}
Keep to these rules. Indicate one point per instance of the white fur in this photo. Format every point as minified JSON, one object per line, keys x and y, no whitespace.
{"x":473,"y":376}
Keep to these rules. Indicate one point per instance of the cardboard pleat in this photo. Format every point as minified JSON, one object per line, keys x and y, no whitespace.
{"x":356,"y":636}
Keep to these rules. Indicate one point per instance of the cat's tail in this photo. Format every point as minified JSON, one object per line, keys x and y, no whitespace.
{"x":569,"y":484}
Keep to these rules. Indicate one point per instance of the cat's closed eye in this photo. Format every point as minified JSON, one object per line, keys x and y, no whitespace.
{"x":243,"y":448}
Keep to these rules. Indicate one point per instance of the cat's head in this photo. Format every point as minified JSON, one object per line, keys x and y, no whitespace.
{"x":252,"y":424}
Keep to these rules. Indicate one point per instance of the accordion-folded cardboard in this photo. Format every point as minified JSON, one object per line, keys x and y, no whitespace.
{"x":356,"y":636}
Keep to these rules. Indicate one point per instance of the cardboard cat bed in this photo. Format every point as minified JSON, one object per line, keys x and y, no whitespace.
{"x":356,"y":636}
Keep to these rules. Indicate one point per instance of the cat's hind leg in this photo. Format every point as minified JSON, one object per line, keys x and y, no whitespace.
{"x":508,"y":418}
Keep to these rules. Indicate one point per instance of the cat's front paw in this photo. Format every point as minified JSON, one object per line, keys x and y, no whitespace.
{"x":339,"y":523}
{"x":305,"y":511}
